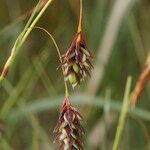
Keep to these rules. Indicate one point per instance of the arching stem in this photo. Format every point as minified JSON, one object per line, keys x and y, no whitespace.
{"x":59,"y":54}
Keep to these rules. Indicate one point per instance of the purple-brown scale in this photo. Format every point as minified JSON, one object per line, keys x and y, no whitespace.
{"x":68,"y":131}
{"x":77,"y":60}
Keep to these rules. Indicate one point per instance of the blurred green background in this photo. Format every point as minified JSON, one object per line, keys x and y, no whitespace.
{"x":118,"y":33}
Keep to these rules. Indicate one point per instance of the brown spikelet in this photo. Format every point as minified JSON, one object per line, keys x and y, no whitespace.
{"x":68,"y":131}
{"x":141,"y":83}
{"x":77,"y":60}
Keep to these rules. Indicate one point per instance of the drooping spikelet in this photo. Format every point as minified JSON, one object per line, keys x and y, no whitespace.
{"x":77,"y":60}
{"x":68,"y":131}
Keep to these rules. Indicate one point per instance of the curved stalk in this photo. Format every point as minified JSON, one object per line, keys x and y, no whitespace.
{"x":59,"y":54}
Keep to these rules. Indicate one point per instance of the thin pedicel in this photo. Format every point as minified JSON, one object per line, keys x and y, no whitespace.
{"x":68,"y":131}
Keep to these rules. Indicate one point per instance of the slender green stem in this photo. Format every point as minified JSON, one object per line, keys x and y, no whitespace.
{"x":80,"y":16}
{"x":31,"y":17}
{"x":28,"y":14}
{"x":123,"y":115}
{"x":12,"y":55}
{"x":59,"y":54}
{"x":21,"y":39}
{"x":33,"y":23}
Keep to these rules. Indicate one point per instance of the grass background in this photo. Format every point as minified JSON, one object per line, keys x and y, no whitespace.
{"x":35,"y":86}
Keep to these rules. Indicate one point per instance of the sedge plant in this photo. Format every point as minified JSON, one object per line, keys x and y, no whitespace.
{"x":76,"y":65}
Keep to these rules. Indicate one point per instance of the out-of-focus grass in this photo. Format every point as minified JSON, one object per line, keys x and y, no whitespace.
{"x":34,"y":87}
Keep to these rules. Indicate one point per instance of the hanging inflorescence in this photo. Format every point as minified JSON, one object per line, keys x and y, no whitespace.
{"x":68,"y":131}
{"x":77,"y":60}
{"x":76,"y":65}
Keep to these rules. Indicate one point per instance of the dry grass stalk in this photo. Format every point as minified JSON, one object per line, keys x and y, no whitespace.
{"x":141,"y":83}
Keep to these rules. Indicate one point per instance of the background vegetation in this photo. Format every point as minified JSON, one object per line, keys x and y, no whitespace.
{"x":118,"y":33}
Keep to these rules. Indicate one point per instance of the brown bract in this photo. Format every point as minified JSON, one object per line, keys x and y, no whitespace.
{"x":77,"y":60}
{"x":68,"y":131}
{"x":142,"y":82}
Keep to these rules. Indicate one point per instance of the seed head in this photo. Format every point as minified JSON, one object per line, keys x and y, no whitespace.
{"x":77,"y":60}
{"x":68,"y":131}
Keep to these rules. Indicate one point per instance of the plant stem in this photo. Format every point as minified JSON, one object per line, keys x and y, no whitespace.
{"x":80,"y":17}
{"x":59,"y":54}
{"x":34,"y":22}
{"x":21,"y":39}
{"x":123,"y":115}
{"x":31,"y":17}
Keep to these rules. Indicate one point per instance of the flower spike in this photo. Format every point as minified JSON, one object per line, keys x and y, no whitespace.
{"x":77,"y":60}
{"x":68,"y":131}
